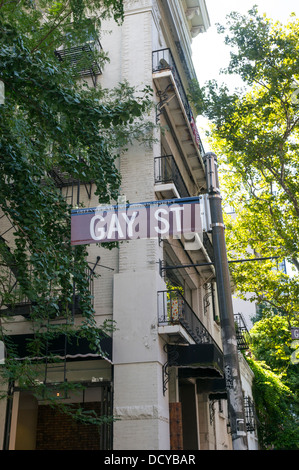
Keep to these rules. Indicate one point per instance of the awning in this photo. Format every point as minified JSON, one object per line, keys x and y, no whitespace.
{"x":196,"y":360}
{"x":74,"y":349}
{"x":215,"y":387}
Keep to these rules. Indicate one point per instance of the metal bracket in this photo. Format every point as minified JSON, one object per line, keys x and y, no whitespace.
{"x":165,"y":367}
{"x":164,"y":100}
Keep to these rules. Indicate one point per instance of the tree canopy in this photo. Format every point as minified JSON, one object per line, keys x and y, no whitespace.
{"x":271,"y":343}
{"x":254,"y":132}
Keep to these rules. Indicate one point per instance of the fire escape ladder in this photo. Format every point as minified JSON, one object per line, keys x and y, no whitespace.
{"x":55,"y":362}
{"x":242,"y":333}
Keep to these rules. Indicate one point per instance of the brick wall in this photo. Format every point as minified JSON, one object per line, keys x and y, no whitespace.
{"x":58,"y":431}
{"x":175,"y":426}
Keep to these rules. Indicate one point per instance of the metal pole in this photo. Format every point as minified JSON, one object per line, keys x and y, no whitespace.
{"x":9,"y":403}
{"x":229,"y":341}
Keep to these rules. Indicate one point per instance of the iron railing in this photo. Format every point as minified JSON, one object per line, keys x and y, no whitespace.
{"x":173,"y":309}
{"x":167,"y":171}
{"x":15,"y":295}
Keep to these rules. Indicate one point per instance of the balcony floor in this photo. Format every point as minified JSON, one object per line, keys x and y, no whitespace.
{"x":175,"y":334}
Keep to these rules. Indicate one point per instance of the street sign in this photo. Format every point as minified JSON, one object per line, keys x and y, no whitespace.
{"x":120,"y":222}
{"x":295,"y":333}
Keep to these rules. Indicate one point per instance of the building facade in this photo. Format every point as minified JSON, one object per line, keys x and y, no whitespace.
{"x":163,"y":377}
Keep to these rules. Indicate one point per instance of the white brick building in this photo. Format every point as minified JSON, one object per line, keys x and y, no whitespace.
{"x":164,"y":379}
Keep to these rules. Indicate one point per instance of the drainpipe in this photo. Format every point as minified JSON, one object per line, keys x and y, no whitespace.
{"x":9,"y":404}
{"x":228,"y":333}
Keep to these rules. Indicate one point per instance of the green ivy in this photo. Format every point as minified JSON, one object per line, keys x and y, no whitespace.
{"x":276,"y":408}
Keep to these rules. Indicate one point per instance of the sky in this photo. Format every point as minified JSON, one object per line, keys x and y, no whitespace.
{"x":210,"y":54}
{"x":209,"y":51}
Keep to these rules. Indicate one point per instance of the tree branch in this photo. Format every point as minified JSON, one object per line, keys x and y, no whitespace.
{"x":52,"y":29}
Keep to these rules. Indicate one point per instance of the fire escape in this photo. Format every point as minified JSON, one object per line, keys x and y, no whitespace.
{"x":82,"y":59}
{"x":242,"y":333}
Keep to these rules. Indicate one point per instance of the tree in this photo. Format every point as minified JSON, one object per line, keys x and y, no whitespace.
{"x":51,"y":120}
{"x":271,"y":343}
{"x":255,"y":135}
{"x":270,"y":286}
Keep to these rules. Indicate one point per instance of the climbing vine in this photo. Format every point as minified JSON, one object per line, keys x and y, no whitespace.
{"x":276,"y":408}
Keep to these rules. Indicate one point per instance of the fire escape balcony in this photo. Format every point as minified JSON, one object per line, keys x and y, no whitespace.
{"x":18,"y":303}
{"x":174,"y":105}
{"x":242,"y":333}
{"x":82,"y":59}
{"x":189,"y":345}
{"x":178,"y":321}
{"x":70,"y":186}
{"x":169,"y":182}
